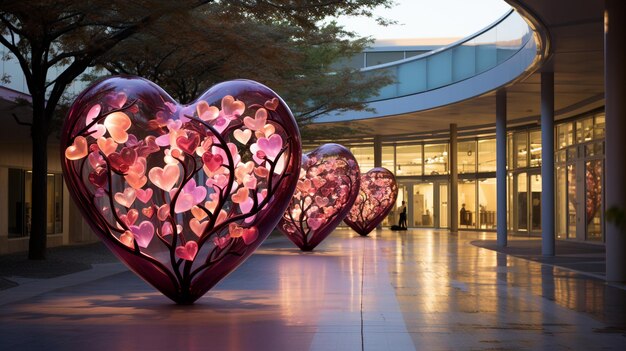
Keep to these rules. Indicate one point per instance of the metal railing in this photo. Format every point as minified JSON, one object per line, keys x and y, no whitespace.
{"x":456,"y":62}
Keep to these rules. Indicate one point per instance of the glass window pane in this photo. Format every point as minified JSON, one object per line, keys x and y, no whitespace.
{"x":565,"y":134}
{"x":443,"y":205}
{"x":364,"y":155}
{"x":593,"y":199}
{"x":423,"y":205}
{"x":594,"y":149}
{"x":535,"y":149}
{"x":571,"y":201}
{"x":560,"y":156}
{"x":467,"y":200}
{"x":393,"y":218}
{"x":572,"y":153}
{"x":58,"y":203}
{"x":388,"y":158}
{"x":522,"y":202}
{"x":521,"y":149}
{"x":509,"y":152}
{"x":584,"y":130}
{"x":435,"y":159}
{"x":409,"y":160}
{"x":487,"y":203}
{"x":510,"y":201}
{"x":50,"y":204}
{"x":28,"y":187}
{"x":467,"y":156}
{"x":377,"y":58}
{"x":535,"y":202}
{"x":487,"y":155}
{"x":561,"y":203}
{"x":16,"y":203}
{"x":598,"y":127}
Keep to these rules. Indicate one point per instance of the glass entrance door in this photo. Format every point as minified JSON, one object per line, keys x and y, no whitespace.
{"x":593,"y":199}
{"x":535,"y":202}
{"x":521,"y":200}
{"x":443,"y":206}
{"x":527,"y":189}
{"x":423,"y":202}
{"x":572,"y":203}
{"x":393,"y":218}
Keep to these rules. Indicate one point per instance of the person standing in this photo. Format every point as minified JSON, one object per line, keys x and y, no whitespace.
{"x":463,"y":215}
{"x":402,"y":223}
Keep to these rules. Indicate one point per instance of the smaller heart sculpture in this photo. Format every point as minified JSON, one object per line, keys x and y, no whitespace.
{"x":328,"y":186}
{"x":376,"y":198}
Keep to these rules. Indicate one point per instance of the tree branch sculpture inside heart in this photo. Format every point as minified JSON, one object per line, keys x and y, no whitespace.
{"x":328,"y":185}
{"x":376,"y":199}
{"x":181,"y":194}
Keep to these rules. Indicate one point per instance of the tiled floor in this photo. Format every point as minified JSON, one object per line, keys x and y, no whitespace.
{"x":420,"y":289}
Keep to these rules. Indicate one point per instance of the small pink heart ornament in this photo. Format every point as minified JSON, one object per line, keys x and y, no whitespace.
{"x":181,"y":194}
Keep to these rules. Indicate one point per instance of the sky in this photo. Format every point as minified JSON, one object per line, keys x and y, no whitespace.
{"x":430,"y":19}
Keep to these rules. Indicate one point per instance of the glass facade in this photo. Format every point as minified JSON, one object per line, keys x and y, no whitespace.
{"x":422,"y":170}
{"x":20,"y":199}
{"x":467,"y":156}
{"x":364,"y":155}
{"x":423,"y":203}
{"x":487,"y":155}
{"x":487,"y":203}
{"x":409,"y":160}
{"x":435,"y":159}
{"x":524,"y":189}
{"x":467,"y":204}
{"x":579,"y":163}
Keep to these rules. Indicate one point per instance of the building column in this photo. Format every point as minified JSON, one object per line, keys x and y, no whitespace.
{"x":378,"y":152}
{"x":615,"y":157}
{"x":454,"y":180}
{"x":501,"y":167}
{"x":378,"y":161}
{"x":547,"y":163}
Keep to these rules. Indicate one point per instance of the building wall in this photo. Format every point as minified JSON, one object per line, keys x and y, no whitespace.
{"x":74,"y":230}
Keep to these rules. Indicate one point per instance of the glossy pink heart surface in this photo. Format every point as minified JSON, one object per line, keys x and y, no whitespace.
{"x":169,"y":188}
{"x":376,"y":198}
{"x":328,"y":185}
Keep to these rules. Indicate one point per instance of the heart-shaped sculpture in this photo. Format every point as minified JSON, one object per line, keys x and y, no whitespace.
{"x":328,"y":185}
{"x":376,"y":198}
{"x":174,"y":191}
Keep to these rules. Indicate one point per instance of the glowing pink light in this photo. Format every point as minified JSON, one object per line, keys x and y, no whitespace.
{"x":191,"y":197}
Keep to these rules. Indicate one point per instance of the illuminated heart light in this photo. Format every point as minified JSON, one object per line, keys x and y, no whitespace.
{"x":181,"y":194}
{"x":328,"y":185}
{"x":376,"y":198}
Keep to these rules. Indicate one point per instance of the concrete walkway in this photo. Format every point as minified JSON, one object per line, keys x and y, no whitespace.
{"x":414,"y":290}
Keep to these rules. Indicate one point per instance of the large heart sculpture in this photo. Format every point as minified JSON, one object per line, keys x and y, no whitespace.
{"x":376,"y":198}
{"x":328,"y":185}
{"x":181,"y":194}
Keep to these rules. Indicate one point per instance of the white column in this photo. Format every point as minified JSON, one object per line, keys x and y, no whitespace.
{"x":378,"y":152}
{"x":547,"y":163}
{"x":454,"y":180}
{"x":501,"y":166}
{"x":615,"y":158}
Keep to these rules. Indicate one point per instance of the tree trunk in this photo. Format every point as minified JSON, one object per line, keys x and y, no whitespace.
{"x":38,"y":234}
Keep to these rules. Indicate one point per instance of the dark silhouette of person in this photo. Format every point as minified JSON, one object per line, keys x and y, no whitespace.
{"x":402,"y":223}
{"x":463,"y":214}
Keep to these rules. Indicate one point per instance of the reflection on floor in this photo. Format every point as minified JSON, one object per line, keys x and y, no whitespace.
{"x":420,"y":289}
